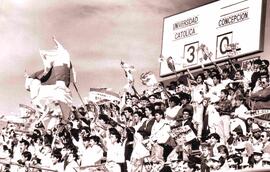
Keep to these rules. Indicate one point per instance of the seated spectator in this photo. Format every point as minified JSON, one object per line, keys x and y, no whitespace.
{"x":260,"y":99}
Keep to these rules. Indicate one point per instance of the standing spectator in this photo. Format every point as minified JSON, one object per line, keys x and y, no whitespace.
{"x":239,"y":113}
{"x":160,"y":133}
{"x":145,"y":129}
{"x":225,"y":77}
{"x":224,"y":107}
{"x":58,"y":163}
{"x":208,"y":80}
{"x":214,"y":141}
{"x":94,"y":149}
{"x":248,"y":71}
{"x":205,"y":156}
{"x":197,"y":93}
{"x":185,"y":104}
{"x":256,"y":74}
{"x":115,"y":151}
{"x":172,"y":111}
{"x":126,"y":118}
{"x":214,"y":91}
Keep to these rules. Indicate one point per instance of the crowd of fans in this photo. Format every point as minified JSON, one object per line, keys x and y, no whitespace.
{"x":205,"y":124}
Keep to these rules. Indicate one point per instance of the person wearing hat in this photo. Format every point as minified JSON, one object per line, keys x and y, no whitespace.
{"x":173,"y":160}
{"x":257,"y":138}
{"x":265,"y":63}
{"x":215,"y":163}
{"x":266,"y":160}
{"x":255,"y":160}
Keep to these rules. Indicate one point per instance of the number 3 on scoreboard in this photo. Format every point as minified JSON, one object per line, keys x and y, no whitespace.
{"x":190,"y":54}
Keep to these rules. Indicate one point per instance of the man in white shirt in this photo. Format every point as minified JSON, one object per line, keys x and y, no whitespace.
{"x":172,"y":111}
{"x":214,"y":91}
{"x":93,"y":153}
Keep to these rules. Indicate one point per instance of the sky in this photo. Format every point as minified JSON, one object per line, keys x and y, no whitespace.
{"x":98,"y":34}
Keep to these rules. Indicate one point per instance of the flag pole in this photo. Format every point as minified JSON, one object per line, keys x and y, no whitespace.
{"x":76,"y":88}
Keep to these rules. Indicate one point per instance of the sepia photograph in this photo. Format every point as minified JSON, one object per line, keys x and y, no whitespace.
{"x":134,"y":86}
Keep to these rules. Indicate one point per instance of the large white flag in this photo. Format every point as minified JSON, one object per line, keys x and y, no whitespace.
{"x":50,"y":85}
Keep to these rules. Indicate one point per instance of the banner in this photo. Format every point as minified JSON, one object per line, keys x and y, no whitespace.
{"x":263,"y":114}
{"x":98,"y":95}
{"x":26,"y":111}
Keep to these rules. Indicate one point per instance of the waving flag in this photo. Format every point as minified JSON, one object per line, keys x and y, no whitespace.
{"x":170,"y":63}
{"x":50,"y":85}
{"x":128,"y":73}
{"x":148,"y":79}
{"x":52,"y":82}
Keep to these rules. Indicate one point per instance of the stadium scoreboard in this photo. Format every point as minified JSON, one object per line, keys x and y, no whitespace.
{"x":212,"y":33}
